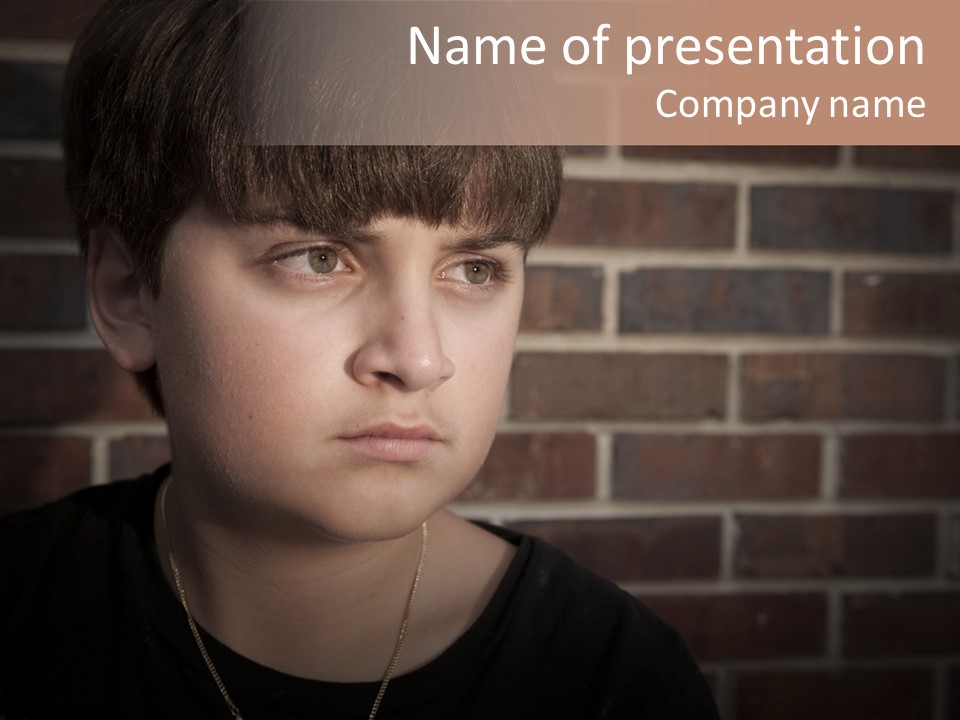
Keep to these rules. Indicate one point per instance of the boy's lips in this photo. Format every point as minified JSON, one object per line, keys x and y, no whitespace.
{"x":389,"y":442}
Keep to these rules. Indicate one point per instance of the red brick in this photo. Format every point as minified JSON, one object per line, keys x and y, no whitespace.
{"x":41,"y":292}
{"x":901,"y":465}
{"x":902,"y":623}
{"x":135,"y":455}
{"x":836,"y":386}
{"x":544,"y":466}
{"x":845,"y":694}
{"x":646,"y":215}
{"x":716,"y":467}
{"x":911,"y":304}
{"x":900,"y":545}
{"x":36,"y":470}
{"x":562,"y":298}
{"x":916,"y":157}
{"x":637,"y":549}
{"x":759,"y":154}
{"x":606,"y":386}
{"x":747,"y":626}
{"x":47,"y":19}
{"x":59,"y":386}
{"x":32,"y":198}
{"x":683,"y":300}
{"x":30,"y":99}
{"x":851,"y":219}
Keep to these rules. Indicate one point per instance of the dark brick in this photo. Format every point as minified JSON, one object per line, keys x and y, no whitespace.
{"x":851,"y":219}
{"x":579,"y":386}
{"x":915,"y":157}
{"x":32,"y":198}
{"x":30,"y":99}
{"x":645,"y":215}
{"x":135,"y":455}
{"x":544,"y":466}
{"x":637,"y":549}
{"x":36,"y":470}
{"x":47,"y":19}
{"x":747,"y":626}
{"x":681,"y":300}
{"x":845,"y":694}
{"x":41,"y":292}
{"x":834,"y":386}
{"x":901,"y":465}
{"x":562,"y":298}
{"x":58,"y":386}
{"x":715,"y":467}
{"x":899,"y":545}
{"x":913,"y":304}
{"x":758,"y":154}
{"x":902,"y":623}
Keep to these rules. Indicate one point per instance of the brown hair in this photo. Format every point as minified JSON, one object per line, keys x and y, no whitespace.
{"x":154,"y":105}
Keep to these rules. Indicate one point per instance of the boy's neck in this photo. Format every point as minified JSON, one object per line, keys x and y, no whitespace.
{"x":330,"y":610}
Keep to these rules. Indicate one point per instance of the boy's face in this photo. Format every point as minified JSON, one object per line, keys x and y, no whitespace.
{"x":347,"y":387}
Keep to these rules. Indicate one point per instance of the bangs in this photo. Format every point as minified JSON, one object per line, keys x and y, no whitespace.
{"x":507,"y":191}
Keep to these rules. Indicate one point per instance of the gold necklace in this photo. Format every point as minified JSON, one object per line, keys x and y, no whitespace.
{"x":398,"y":648}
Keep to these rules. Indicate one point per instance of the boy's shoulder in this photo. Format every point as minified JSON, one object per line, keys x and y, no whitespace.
{"x":581,"y":642}
{"x":74,"y":534}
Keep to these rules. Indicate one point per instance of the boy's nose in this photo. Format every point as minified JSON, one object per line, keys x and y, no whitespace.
{"x":404,"y":348}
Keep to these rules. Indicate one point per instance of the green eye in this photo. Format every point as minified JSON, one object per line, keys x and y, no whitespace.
{"x":323,"y":260}
{"x":476,"y":273}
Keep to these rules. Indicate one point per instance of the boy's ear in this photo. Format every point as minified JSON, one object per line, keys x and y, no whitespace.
{"x":119,"y":304}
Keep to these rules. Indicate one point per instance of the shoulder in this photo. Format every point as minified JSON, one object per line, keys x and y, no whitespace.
{"x":69,"y":532}
{"x":620,"y":657}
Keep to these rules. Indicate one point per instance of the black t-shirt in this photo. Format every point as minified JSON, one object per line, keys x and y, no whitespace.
{"x":90,"y":628}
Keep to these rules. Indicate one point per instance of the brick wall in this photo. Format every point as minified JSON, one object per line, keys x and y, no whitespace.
{"x":736,"y":392}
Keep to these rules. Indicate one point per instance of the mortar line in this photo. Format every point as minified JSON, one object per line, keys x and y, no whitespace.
{"x":639,"y":256}
{"x":940,"y":690}
{"x":824,"y":663}
{"x":733,"y":388}
{"x":50,"y":51}
{"x":40,"y":246}
{"x":956,"y":224}
{"x":611,"y":300}
{"x":741,"y":214}
{"x":951,"y":389}
{"x":833,"y":643}
{"x":846,"y":157}
{"x":836,"y":302}
{"x":604,"y":466}
{"x":948,"y":537}
{"x":726,"y":692}
{"x":592,"y":509}
{"x":830,"y":472}
{"x":829,"y":176}
{"x":729,"y":538}
{"x":31,"y":150}
{"x":100,"y":460}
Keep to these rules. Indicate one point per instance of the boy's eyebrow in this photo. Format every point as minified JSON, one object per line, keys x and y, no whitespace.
{"x":466,"y":242}
{"x":470,"y":241}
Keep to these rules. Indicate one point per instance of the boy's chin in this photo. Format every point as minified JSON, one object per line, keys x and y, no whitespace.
{"x":355,"y":515}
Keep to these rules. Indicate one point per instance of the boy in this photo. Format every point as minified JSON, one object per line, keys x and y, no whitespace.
{"x":328,"y":333}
